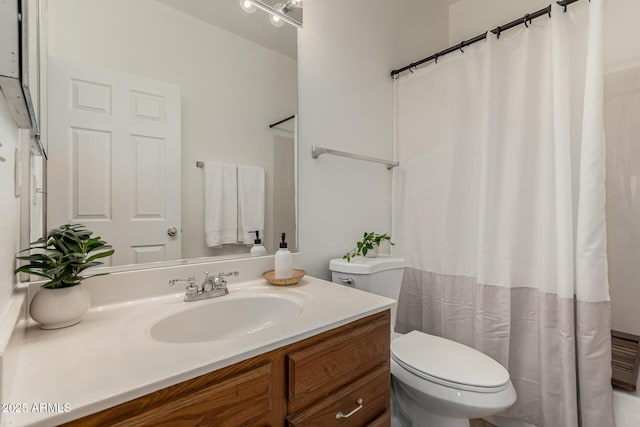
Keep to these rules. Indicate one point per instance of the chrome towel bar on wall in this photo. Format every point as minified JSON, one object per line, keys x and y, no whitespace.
{"x":318,"y":151}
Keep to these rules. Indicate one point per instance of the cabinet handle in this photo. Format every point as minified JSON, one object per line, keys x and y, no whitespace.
{"x":340,"y":414}
{"x":347,"y":281}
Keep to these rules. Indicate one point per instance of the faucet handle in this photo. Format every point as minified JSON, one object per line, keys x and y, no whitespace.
{"x":190,"y":281}
{"x":221,"y":277}
{"x":233,"y":273}
{"x":192,"y":288}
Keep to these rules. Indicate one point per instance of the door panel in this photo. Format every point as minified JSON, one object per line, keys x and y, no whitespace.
{"x":115,"y":159}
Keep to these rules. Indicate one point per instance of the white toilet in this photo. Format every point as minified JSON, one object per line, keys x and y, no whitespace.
{"x":436,"y":382}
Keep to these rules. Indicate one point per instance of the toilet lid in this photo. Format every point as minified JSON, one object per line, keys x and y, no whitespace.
{"x":448,"y":362}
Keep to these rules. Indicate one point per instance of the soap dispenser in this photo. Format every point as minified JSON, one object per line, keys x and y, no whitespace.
{"x":257,"y":249}
{"x":284,"y":264}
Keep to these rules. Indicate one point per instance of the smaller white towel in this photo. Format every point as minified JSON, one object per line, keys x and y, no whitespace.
{"x":251,"y":202}
{"x":220,"y":203}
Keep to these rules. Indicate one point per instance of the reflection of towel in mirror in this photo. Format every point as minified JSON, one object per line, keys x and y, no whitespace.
{"x":251,"y":202}
{"x":220,"y":203}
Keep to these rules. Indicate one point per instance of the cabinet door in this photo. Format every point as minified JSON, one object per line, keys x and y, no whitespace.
{"x":362,"y":403}
{"x":244,"y":400}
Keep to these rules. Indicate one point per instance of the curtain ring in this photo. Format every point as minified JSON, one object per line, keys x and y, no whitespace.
{"x":436,"y":58}
{"x":565,"y":8}
{"x":498,"y":31}
{"x":411,"y":66}
{"x":461,"y":46}
{"x":526,"y":18}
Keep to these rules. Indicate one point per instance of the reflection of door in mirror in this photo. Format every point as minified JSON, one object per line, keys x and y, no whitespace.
{"x":236,"y":74}
{"x":36,"y":199}
{"x":114,"y":162}
{"x":284,"y":179}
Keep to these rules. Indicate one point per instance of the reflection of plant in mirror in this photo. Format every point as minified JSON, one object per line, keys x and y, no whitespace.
{"x":366,"y":244}
{"x":67,"y":251}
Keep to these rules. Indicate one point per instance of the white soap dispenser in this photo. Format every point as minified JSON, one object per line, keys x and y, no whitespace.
{"x":257,"y":249}
{"x":284,"y":263}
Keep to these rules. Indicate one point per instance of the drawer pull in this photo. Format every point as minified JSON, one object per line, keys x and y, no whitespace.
{"x":360,"y":403}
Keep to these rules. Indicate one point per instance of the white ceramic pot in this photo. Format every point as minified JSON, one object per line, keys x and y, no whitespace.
{"x":373,"y":253}
{"x":58,"y":308}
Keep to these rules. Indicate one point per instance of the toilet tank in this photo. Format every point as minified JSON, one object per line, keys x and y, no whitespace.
{"x":381,"y":275}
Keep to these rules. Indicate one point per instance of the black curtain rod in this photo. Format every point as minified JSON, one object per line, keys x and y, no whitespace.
{"x":525,"y":20}
{"x":272,"y":125}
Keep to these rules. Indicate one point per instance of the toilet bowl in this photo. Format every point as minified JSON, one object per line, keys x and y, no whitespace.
{"x":439,"y":382}
{"x":436,"y":382}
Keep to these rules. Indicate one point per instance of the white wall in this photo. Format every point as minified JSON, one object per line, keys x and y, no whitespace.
{"x":622,"y":52}
{"x":231,"y":88}
{"x":9,"y":205}
{"x":345,"y":54}
{"x":621,"y":32}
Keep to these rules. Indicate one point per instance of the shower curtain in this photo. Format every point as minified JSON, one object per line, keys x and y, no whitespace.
{"x":499,"y":206}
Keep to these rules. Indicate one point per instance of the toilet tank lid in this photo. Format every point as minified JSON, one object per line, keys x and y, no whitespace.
{"x":362,"y":265}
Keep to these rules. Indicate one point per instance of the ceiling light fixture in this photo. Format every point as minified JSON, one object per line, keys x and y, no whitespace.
{"x":279,"y":12}
{"x":247,"y":6}
{"x":276,"y":21}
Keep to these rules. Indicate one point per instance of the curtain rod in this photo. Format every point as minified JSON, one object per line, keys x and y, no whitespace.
{"x":525,"y":20}
{"x":272,"y":125}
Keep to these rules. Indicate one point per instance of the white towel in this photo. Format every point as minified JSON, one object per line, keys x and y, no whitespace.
{"x":251,"y":202}
{"x":220,"y":203}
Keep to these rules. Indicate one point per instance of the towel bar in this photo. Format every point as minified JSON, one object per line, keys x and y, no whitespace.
{"x":318,"y":151}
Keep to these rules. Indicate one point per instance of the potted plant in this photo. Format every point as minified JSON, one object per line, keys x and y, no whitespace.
{"x":368,"y":246}
{"x":62,"y":258}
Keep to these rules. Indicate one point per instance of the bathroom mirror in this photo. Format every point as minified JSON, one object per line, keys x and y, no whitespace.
{"x":140,"y":95}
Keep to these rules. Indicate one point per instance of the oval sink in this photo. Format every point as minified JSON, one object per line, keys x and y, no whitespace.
{"x":225,"y":318}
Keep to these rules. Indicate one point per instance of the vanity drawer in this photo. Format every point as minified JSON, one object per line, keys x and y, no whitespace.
{"x":370,"y":394}
{"x":383,"y":420}
{"x":319,"y":369}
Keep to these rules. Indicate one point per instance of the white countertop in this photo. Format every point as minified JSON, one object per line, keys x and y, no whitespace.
{"x":110,"y":357}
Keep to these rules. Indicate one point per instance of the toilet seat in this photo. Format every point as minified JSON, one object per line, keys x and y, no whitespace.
{"x":448,"y":363}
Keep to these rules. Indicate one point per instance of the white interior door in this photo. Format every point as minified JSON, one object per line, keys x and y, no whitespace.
{"x":114,"y":163}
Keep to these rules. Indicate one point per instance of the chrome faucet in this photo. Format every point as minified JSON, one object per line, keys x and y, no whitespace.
{"x":211,"y":287}
{"x":209,"y":283}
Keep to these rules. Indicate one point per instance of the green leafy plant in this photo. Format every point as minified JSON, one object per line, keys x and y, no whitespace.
{"x":66,"y":252}
{"x":366,"y":244}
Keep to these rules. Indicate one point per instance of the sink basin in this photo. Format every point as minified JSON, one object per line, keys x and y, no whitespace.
{"x":225,"y":318}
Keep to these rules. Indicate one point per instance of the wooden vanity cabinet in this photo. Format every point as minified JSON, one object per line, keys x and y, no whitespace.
{"x":344,"y":370}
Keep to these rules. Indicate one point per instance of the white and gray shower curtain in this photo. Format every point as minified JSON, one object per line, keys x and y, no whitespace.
{"x":499,"y":206}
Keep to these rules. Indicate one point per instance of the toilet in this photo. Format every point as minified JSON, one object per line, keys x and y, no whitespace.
{"x":436,"y":382}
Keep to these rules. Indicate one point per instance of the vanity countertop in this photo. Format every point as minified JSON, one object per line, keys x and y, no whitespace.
{"x":110,"y":357}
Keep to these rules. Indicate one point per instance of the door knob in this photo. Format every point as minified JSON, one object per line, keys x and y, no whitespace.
{"x":172,"y":231}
